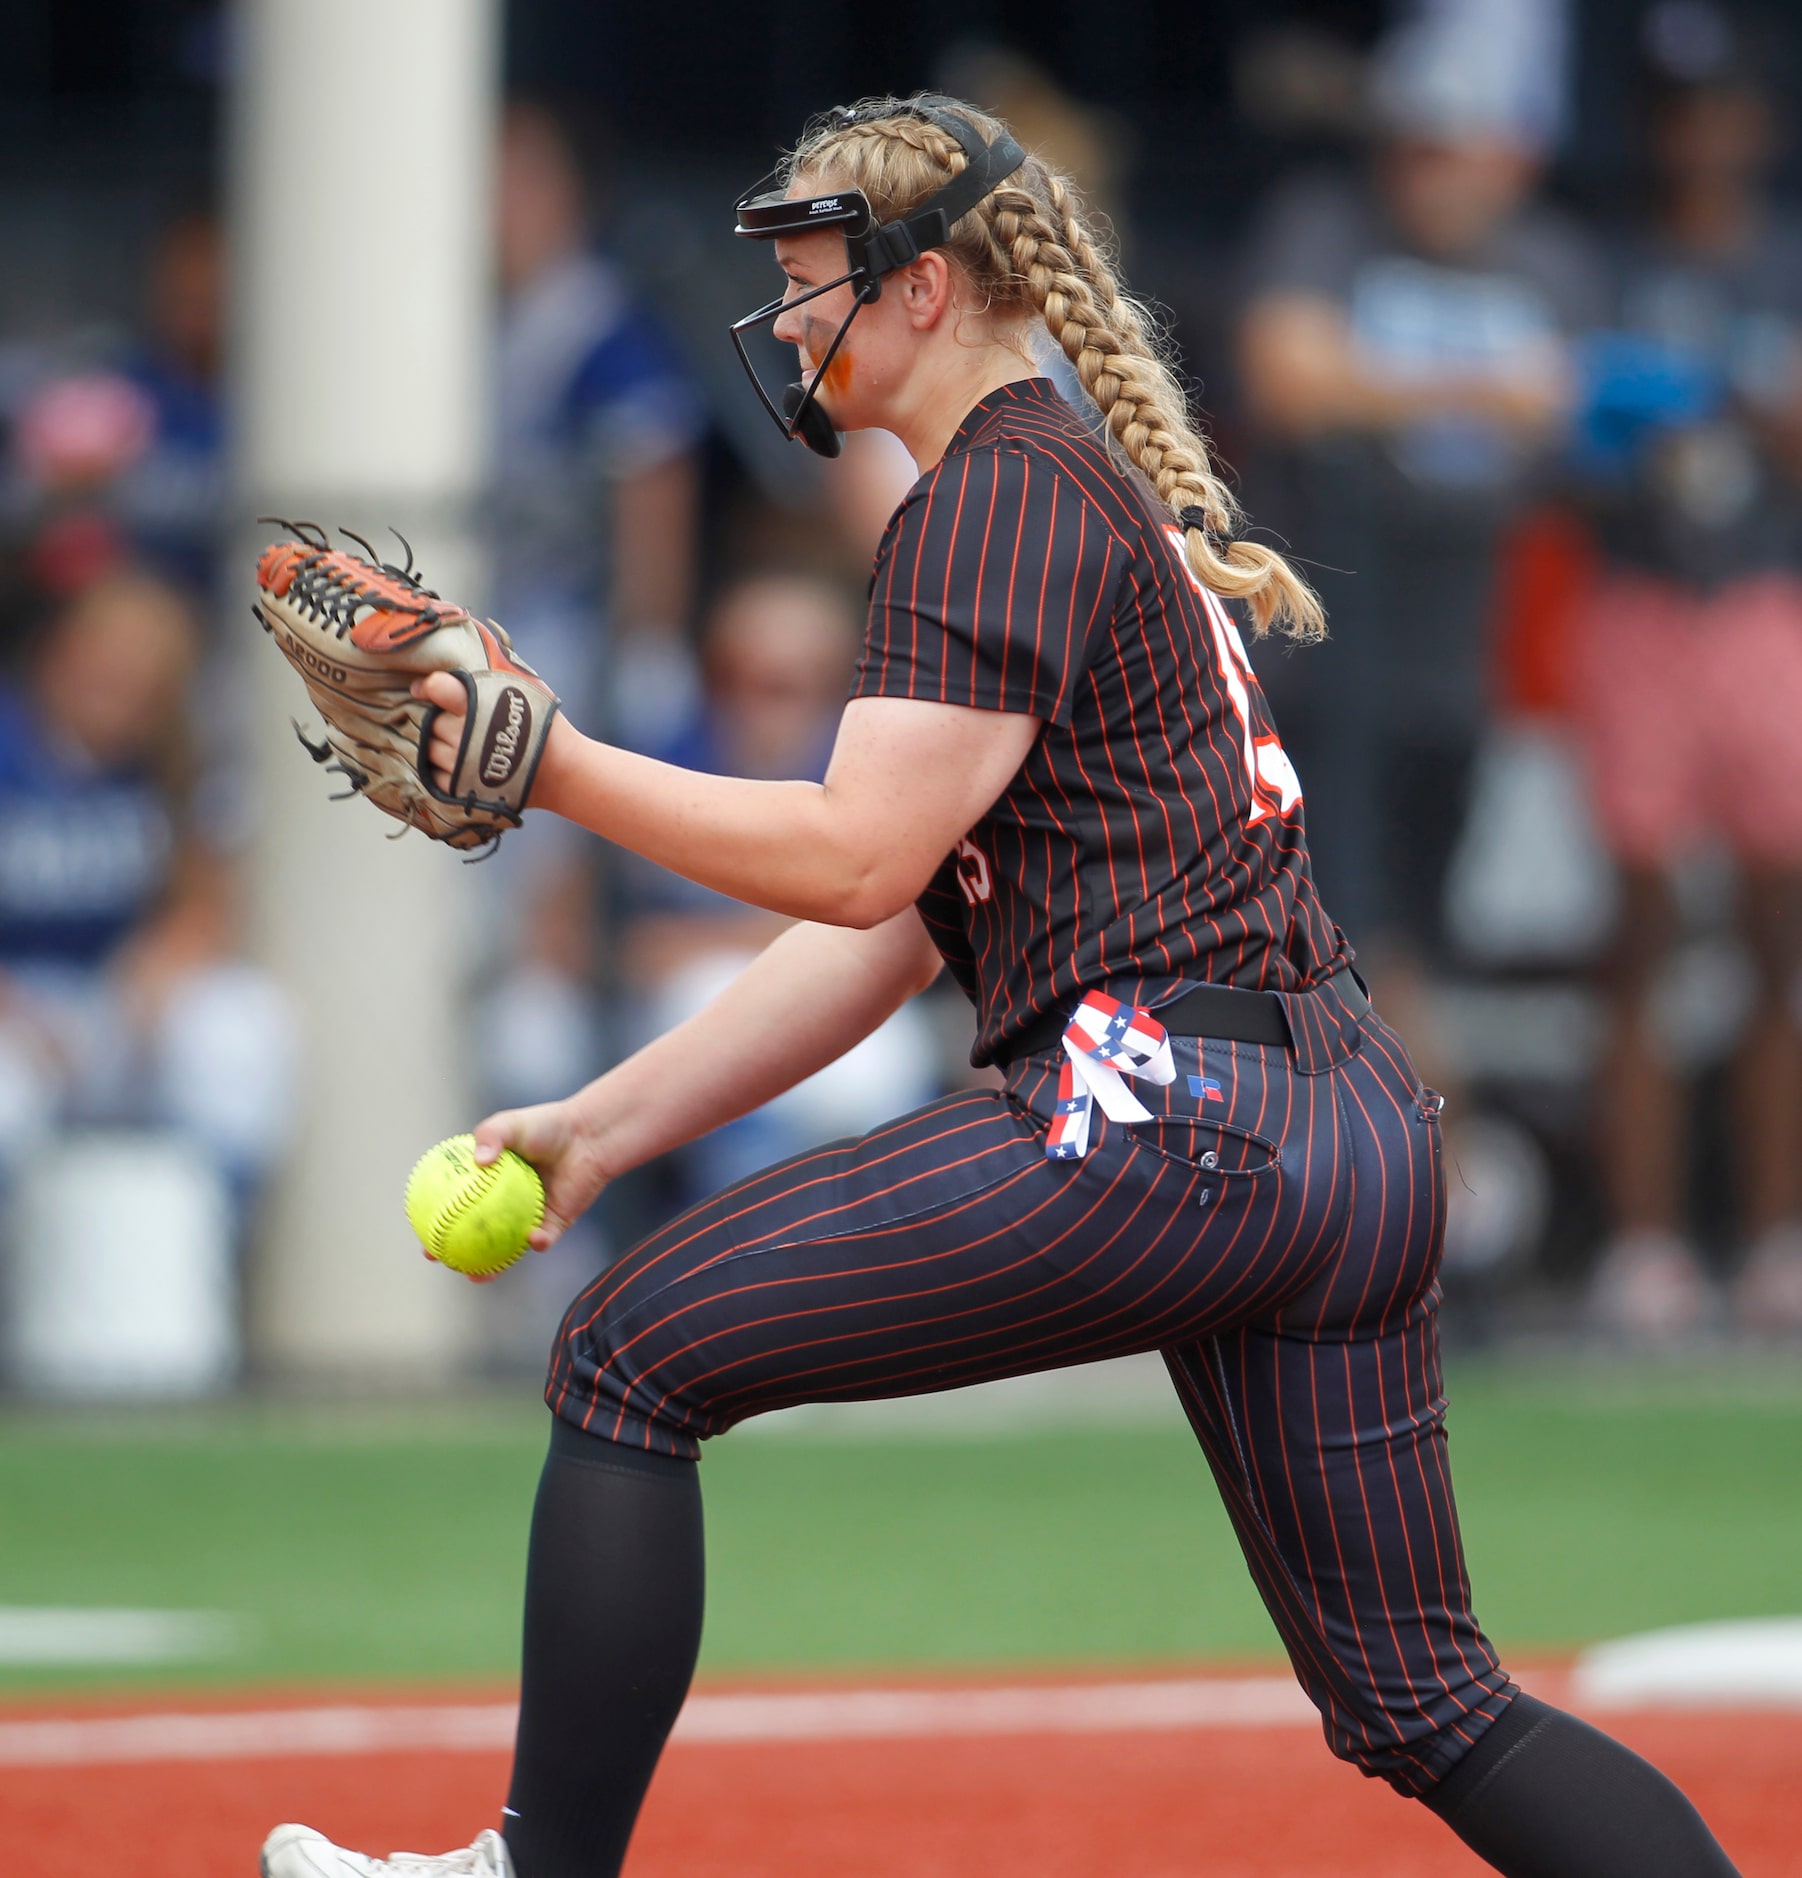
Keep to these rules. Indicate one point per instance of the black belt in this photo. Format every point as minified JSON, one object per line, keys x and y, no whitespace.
{"x":1225,"y":1012}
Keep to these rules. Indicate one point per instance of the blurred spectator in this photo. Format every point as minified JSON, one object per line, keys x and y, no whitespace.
{"x":1690,"y":677}
{"x":1403,"y":352}
{"x":1404,"y":359}
{"x":594,"y":505}
{"x":777,"y":658}
{"x":122,"y":1001}
{"x":138,"y":437}
{"x":594,"y":532}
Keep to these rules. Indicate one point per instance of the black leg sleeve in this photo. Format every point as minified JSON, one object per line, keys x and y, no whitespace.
{"x":1543,"y":1795}
{"x":613,"y":1622}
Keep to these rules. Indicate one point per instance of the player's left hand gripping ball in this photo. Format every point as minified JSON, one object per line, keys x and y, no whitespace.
{"x":474,"y":1219}
{"x":359,"y":632}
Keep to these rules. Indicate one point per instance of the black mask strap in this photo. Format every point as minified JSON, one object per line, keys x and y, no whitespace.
{"x":987,"y":165}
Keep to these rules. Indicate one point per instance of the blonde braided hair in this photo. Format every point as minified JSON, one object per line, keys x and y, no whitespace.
{"x":1027,"y":251}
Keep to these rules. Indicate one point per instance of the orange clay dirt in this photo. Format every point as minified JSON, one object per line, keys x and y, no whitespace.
{"x":1264,"y":1802}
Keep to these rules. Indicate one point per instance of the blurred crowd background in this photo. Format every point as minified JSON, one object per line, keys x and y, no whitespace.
{"x":1494,"y":308}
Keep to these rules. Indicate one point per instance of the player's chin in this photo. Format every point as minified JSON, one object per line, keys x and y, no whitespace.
{"x":831,"y":406}
{"x":828,"y":402}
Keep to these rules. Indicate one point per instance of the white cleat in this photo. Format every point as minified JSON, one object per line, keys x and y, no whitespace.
{"x":300,"y":1852}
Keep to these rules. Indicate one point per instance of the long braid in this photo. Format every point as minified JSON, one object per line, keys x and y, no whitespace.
{"x":1107,"y":338}
{"x":1026,"y":246}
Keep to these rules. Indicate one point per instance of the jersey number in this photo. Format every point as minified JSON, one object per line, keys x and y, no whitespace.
{"x":972,"y":871}
{"x":1275,"y":787}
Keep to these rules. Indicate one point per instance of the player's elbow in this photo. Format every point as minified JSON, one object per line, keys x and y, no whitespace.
{"x":871,"y":904}
{"x":868,"y":862}
{"x":876,"y":891}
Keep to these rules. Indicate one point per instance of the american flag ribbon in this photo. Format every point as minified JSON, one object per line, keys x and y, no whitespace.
{"x":1105,"y":1042}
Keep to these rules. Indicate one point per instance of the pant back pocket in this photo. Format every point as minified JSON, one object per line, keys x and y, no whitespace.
{"x":1209,"y":1147}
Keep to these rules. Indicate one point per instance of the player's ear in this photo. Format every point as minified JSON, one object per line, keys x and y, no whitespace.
{"x":924,"y":288}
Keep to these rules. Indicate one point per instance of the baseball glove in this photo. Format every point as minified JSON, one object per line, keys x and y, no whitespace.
{"x":359,"y":631}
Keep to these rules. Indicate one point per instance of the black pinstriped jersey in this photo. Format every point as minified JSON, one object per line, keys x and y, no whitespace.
{"x":1154,"y":833}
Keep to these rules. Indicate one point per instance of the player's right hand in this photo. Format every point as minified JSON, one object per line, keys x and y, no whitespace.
{"x":447,"y":693}
{"x":552,"y":1137}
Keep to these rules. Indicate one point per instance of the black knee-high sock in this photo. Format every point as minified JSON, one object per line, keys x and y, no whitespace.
{"x":613,"y":1622}
{"x":1543,"y":1795}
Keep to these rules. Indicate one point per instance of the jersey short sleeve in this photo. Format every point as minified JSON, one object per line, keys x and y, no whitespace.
{"x":989,"y":579}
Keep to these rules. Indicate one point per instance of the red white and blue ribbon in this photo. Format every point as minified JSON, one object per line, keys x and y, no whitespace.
{"x":1104,"y":1043}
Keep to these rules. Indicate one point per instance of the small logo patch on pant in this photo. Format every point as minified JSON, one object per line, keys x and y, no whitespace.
{"x":1205,"y":1089}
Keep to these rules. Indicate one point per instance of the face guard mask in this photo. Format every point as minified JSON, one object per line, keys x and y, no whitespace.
{"x":872,"y":250}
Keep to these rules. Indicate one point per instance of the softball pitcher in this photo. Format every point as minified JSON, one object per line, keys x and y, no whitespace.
{"x":1056,"y":779}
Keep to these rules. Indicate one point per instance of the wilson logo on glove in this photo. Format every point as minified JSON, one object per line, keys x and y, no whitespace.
{"x":507,"y":737}
{"x":359,"y":632}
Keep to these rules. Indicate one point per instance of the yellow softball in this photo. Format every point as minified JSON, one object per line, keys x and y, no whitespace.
{"x":474,"y":1219}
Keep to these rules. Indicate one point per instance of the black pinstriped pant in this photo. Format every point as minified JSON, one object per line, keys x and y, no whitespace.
{"x":1275,"y":1233}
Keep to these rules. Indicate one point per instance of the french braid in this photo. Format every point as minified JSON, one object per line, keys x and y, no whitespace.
{"x":1026,"y":250}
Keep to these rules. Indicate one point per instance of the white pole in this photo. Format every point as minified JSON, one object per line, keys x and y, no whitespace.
{"x":361,"y":159}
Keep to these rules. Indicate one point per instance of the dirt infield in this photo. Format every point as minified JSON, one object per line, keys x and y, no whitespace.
{"x":1256,"y":1797}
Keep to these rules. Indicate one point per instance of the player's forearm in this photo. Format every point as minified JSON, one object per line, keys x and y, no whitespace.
{"x":787,"y":846}
{"x":1305,"y":377}
{"x":1356,"y":399}
{"x":805,"y":1000}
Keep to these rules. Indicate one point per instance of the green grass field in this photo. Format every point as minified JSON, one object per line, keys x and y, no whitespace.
{"x":371,"y":1545}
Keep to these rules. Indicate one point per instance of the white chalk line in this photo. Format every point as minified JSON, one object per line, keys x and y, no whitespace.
{"x":31,"y":1635}
{"x":816,"y":1715}
{"x":1750,"y":1662}
{"x":1116,"y":1707}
